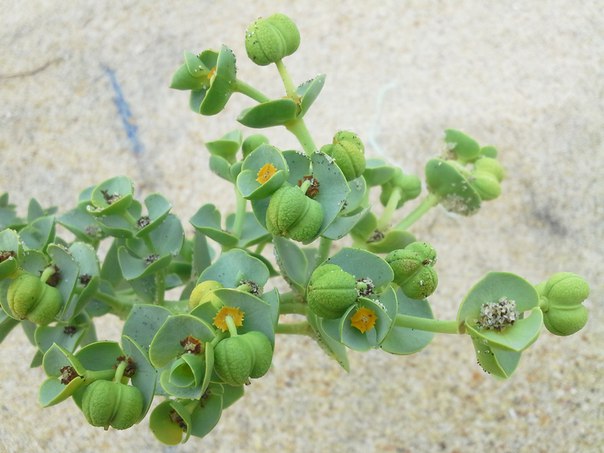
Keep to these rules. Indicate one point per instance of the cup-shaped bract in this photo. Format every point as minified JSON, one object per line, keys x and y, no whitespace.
{"x":348,"y":151}
{"x":114,"y":404}
{"x":292,"y":214}
{"x":331,"y":291}
{"x":413,"y":269}
{"x":263,"y":172}
{"x":204,"y":293}
{"x":193,"y":74}
{"x":269,"y":40}
{"x":211,"y":98}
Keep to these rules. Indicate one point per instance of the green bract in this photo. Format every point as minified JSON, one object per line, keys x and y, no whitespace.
{"x":263,"y":171}
{"x":349,"y":153}
{"x":331,"y":291}
{"x":268,"y":40}
{"x":293,"y":215}
{"x":413,"y":269}
{"x":106,"y":403}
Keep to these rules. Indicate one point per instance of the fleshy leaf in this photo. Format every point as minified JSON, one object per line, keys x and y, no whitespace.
{"x":332,"y":348}
{"x":234,"y":266}
{"x":143,"y":322}
{"x":363,"y":264}
{"x":308,"y":92}
{"x":292,"y":262}
{"x":335,"y":188}
{"x":271,"y":113}
{"x":207,"y":220}
{"x":39,"y":233}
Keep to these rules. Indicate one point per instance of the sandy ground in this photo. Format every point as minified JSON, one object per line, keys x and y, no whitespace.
{"x":524,"y":76}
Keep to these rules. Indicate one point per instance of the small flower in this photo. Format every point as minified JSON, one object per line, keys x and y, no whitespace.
{"x":191,"y":345}
{"x":265,"y":173}
{"x":364,"y":319}
{"x":498,"y":315}
{"x":235,"y":313}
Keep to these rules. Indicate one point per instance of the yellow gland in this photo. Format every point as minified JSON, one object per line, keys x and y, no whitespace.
{"x":364,"y":319}
{"x":265,"y":173}
{"x":235,"y":313}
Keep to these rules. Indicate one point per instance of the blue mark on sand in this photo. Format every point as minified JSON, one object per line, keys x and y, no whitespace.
{"x":123,"y":109}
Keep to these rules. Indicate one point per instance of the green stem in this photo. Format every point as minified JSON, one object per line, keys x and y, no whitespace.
{"x":250,"y":91}
{"x":231,"y":325}
{"x":429,"y":202}
{"x":288,"y":308}
{"x":386,"y":217}
{"x":290,"y":88}
{"x":298,"y":128}
{"x":289,"y":297}
{"x":295,"y":328}
{"x":91,"y":376}
{"x":239,"y":214}
{"x":47,"y":273}
{"x":323,"y":252}
{"x":160,"y":287}
{"x":119,"y":372}
{"x":119,"y":307}
{"x":429,"y":325}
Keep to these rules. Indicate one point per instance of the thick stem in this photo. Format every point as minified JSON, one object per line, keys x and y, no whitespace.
{"x":160,"y":287}
{"x":323,"y":252}
{"x":386,"y":217}
{"x":91,"y":376}
{"x":429,"y":202}
{"x":119,"y":372}
{"x":295,"y":328}
{"x":250,"y":91}
{"x":298,"y":128}
{"x":288,"y":308}
{"x":120,"y":308}
{"x":429,"y":325}
{"x":239,"y":214}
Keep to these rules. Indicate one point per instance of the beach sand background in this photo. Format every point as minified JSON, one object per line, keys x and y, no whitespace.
{"x":525,"y":76}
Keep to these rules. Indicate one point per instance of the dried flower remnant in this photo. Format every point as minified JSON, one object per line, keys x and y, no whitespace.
{"x":313,"y":189}
{"x":191,"y":345}
{"x":68,"y":374}
{"x":498,"y":315}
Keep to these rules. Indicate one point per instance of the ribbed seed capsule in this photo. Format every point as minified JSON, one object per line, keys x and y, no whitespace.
{"x":269,"y":40}
{"x":233,"y":360}
{"x":413,"y":271}
{"x":107,"y":403}
{"x":331,"y":291}
{"x":263,"y":352}
{"x":348,"y":151}
{"x":29,"y":298}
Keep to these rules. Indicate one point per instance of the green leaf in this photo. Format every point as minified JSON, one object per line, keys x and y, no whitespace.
{"x":446,"y":180}
{"x":464,"y":147}
{"x":247,"y":181}
{"x":292,"y":262}
{"x":308,"y":92}
{"x":378,"y":172}
{"x":166,"y":343}
{"x":333,"y":188}
{"x":145,"y":377}
{"x":167,"y":238}
{"x":163,"y":425}
{"x":62,"y":334}
{"x":110,"y":269}
{"x":342,"y":225}
{"x":403,"y":340}
{"x":143,"y":322}
{"x":357,"y":198}
{"x":252,"y":232}
{"x":212,"y":100}
{"x":52,"y":390}
{"x":134,"y":267}
{"x":202,"y":254}
{"x":69,"y":271}
{"x":231,"y":394}
{"x":82,"y":224}
{"x":227,"y":146}
{"x":298,"y":164}
{"x":87,"y":261}
{"x":272,"y":298}
{"x":207,"y":220}
{"x":260,"y":207}
{"x":183,"y":378}
{"x":7,"y":323}
{"x":363,"y":264}
{"x":331,"y":347}
{"x":119,"y":225}
{"x":221,"y":167}
{"x":206,"y":415}
{"x":35,"y":210}
{"x":257,"y":313}
{"x":499,"y":362}
{"x":392,"y":240}
{"x":234,"y":266}
{"x":493,"y":287}
{"x":111,"y":197}
{"x":10,"y":248}
{"x":39,"y":233}
{"x":271,"y":113}
{"x":158,"y":209}
{"x":517,"y":338}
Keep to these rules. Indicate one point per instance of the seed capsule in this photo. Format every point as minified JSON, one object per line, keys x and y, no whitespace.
{"x":413,"y":271}
{"x":349,"y":153}
{"x":107,"y":403}
{"x":29,"y":298}
{"x":233,"y":360}
{"x":269,"y":40}
{"x":331,"y":291}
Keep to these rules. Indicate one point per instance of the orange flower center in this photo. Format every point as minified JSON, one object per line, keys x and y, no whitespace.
{"x":364,"y":319}
{"x":235,"y":313}
{"x":211,"y":73}
{"x":265,"y":173}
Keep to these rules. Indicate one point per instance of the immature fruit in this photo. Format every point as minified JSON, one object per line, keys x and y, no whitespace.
{"x":293,"y":215}
{"x":263,"y":352}
{"x":107,"y":403}
{"x":331,"y":291}
{"x":269,"y":40}
{"x":562,"y":296}
{"x":409,"y":185}
{"x":413,"y":271}
{"x":29,"y":298}
{"x":234,"y":360}
{"x":348,"y":152}
{"x":204,"y":293}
